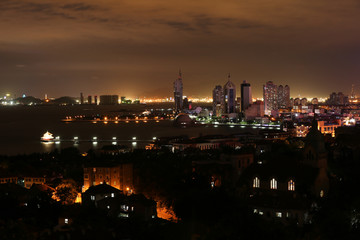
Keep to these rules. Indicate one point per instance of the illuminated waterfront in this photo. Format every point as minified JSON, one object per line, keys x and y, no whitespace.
{"x":22,"y":128}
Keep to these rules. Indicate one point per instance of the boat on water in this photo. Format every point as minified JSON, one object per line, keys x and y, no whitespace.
{"x":47,"y":137}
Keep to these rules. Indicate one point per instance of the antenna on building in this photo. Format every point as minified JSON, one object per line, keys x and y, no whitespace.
{"x":180,"y":72}
{"x":229,"y":76}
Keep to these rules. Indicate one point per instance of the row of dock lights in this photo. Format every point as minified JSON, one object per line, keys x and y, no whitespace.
{"x":95,"y":140}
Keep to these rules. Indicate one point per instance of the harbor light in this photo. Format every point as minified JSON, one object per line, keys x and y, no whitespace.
{"x":154,"y":138}
{"x":134,"y":138}
{"x":114,"y":143}
{"x":114,"y":138}
{"x":95,"y":139}
{"x":76,"y":138}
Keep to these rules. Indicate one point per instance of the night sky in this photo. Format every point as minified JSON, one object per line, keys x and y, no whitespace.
{"x":135,"y":47}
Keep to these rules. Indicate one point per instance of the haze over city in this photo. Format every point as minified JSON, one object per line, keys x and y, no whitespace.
{"x":135,"y":48}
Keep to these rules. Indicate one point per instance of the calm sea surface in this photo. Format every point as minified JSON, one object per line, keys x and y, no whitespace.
{"x":22,"y":126}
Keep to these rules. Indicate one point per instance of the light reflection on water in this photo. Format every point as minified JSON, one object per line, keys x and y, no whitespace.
{"x":21,"y":129}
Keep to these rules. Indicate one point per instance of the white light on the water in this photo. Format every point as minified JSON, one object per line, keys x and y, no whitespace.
{"x":114,"y":143}
{"x":134,"y":143}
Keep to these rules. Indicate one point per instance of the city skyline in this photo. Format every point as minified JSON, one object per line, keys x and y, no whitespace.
{"x":134,"y":48}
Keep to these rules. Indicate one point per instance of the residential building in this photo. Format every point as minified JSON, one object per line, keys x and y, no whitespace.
{"x":119,"y":176}
{"x":270,"y":97}
{"x":109,"y":99}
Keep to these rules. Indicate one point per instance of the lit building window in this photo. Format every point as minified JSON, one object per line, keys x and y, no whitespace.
{"x":273,"y":183}
{"x":108,"y":207}
{"x":261,"y":213}
{"x":291,"y":185}
{"x":278,"y":214}
{"x":322,"y":193}
{"x":256,"y":182}
{"x":112,"y":194}
{"x":256,"y":211}
{"x":92,"y":198}
{"x":66,"y":221}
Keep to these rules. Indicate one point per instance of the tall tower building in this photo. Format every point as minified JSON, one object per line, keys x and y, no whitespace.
{"x":81,"y":98}
{"x":281,"y":97}
{"x":218,"y":101}
{"x":229,"y":96}
{"x":178,"y":93}
{"x":287,"y":96}
{"x":246,"y":97}
{"x":270,"y":97}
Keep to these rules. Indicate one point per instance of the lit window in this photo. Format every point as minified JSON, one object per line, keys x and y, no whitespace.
{"x":256,"y":182}
{"x":66,"y":221}
{"x":291,"y":185}
{"x":322,"y":193}
{"x":112,"y":194}
{"x":256,"y":211}
{"x":108,"y":207}
{"x":278,"y":214}
{"x":92,"y":198}
{"x":273,"y":183}
{"x":212,"y":184}
{"x":261,"y":213}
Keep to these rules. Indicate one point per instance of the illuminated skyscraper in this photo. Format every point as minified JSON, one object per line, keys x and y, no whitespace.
{"x":246,"y":97}
{"x":229,"y":96}
{"x":270,"y":97}
{"x":178,"y":93}
{"x":218,"y":101}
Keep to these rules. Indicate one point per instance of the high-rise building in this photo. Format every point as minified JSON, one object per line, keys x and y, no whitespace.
{"x":229,"y":96}
{"x":287,"y":96}
{"x":89,"y":99}
{"x":218,"y":101}
{"x":109,"y":99}
{"x":178,"y":93}
{"x":281,"y":97}
{"x":283,"y":94}
{"x":96,"y":100}
{"x":81,"y":98}
{"x":246,"y":97}
{"x":270,"y":97}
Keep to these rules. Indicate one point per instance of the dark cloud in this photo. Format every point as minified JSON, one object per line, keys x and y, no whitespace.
{"x":184,"y":26}
{"x":79,"y":7}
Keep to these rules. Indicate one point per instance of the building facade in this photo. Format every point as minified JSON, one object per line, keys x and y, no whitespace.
{"x":229,"y":96}
{"x":218,"y":101}
{"x":178,"y":93}
{"x":246,"y":96}
{"x":118,"y":176}
{"x":270,"y":97}
{"x":109,"y":100}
